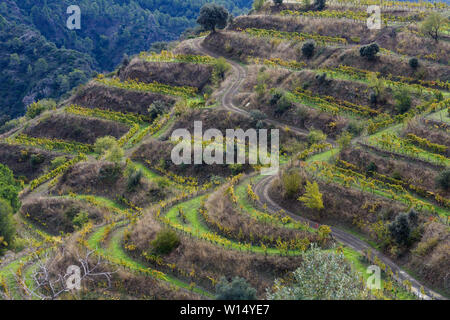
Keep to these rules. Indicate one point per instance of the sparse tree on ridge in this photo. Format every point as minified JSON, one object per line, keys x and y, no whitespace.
{"x":213,"y":16}
{"x":432,"y":25}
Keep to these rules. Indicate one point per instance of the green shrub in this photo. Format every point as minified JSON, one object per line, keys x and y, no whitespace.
{"x":280,"y":100}
{"x":213,"y":16}
{"x":237,"y":289}
{"x":321,"y":275}
{"x":37,"y":108}
{"x":221,"y":67}
{"x":37,"y":159}
{"x":355,"y":128}
{"x":104,"y":143}
{"x":292,"y":182}
{"x":308,"y":48}
{"x":370,"y":51}
{"x":413,"y":63}
{"x":400,"y":229}
{"x":316,"y":136}
{"x":134,"y":179}
{"x":443,"y":180}
{"x":165,"y":242}
{"x":80,"y":219}
{"x":7,"y":228}
{"x":319,"y":5}
{"x":403,"y":100}
{"x":371,"y":169}
{"x":57,"y":162}
{"x":110,"y":173}
{"x":258,"y":4}
{"x":157,"y":108}
{"x":257,"y":115}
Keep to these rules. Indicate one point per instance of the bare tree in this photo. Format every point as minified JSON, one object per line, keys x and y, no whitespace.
{"x":48,"y":285}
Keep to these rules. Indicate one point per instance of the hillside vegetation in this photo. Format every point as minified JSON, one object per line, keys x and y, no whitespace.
{"x":363,"y":116}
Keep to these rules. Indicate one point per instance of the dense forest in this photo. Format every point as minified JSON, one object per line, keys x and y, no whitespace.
{"x":41,"y":58}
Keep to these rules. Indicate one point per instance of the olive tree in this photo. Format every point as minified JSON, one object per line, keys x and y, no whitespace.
{"x":213,"y":16}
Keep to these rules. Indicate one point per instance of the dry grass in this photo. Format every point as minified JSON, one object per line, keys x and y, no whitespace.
{"x":174,"y":73}
{"x":75,"y":128}
{"x":414,"y":173}
{"x":54,"y":214}
{"x":433,"y":261}
{"x":91,"y":178}
{"x":95,"y":95}
{"x":18,"y":159}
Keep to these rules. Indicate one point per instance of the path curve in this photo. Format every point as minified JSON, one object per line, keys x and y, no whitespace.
{"x":228,"y":93}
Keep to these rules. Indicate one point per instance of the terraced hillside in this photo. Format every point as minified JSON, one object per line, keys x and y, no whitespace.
{"x":364,"y":158}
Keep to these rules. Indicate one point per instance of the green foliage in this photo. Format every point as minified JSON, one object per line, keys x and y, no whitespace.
{"x":213,"y":16}
{"x":258,"y":4}
{"x":355,"y":128}
{"x":280,"y":101}
{"x":400,"y":229}
{"x":312,"y":198}
{"x":157,"y":108}
{"x":110,"y":173}
{"x":344,"y":140}
{"x":134,"y":177}
{"x":237,"y":289}
{"x":403,"y":100}
{"x":292,"y":182}
{"x":319,"y":5}
{"x":257,"y":115}
{"x":115,"y":154}
{"x":369,"y":51}
{"x":7,"y":228}
{"x":433,"y":24}
{"x":316,"y":136}
{"x":57,"y":162}
{"x":308,"y":48}
{"x":413,"y":63}
{"x":104,"y":143}
{"x":109,"y":149}
{"x":37,"y":108}
{"x":80,"y":219}
{"x":221,"y":67}
{"x":9,"y":188}
{"x":321,"y":275}
{"x":371,"y":169}
{"x":165,"y":242}
{"x":261,"y":85}
{"x":52,"y":60}
{"x":443,"y":179}
{"x":37,"y":159}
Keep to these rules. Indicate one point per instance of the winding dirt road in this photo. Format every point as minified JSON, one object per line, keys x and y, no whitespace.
{"x":263,"y":186}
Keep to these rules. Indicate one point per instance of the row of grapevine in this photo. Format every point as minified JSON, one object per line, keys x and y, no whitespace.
{"x":405,"y":184}
{"x":51,"y":144}
{"x":360,"y":16}
{"x":168,"y":56}
{"x":333,"y":105}
{"x":165,"y":89}
{"x":293,"y":36}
